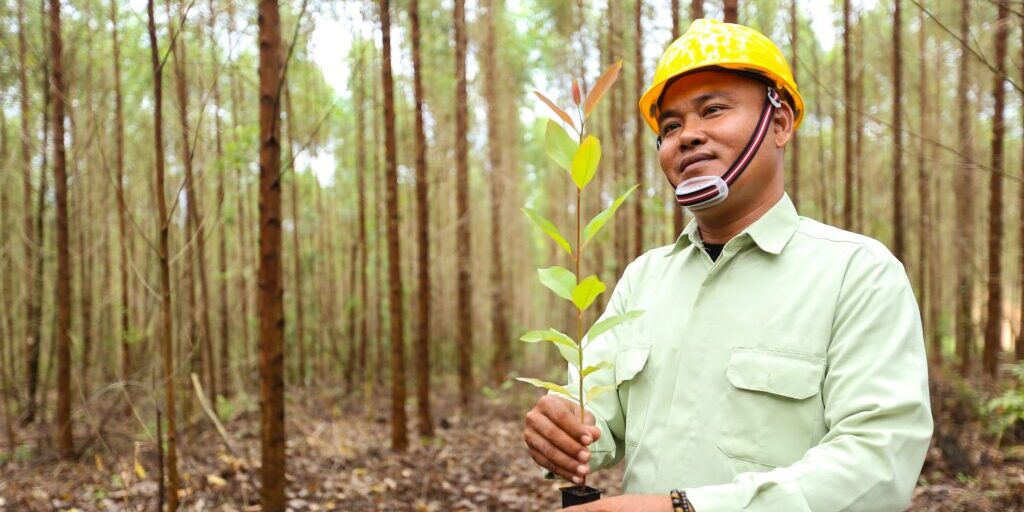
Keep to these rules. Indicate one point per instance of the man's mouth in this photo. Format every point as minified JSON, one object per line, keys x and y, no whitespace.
{"x":693,"y":163}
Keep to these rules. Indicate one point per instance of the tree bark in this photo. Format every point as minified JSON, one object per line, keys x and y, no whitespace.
{"x":794,"y":33}
{"x":897,"y":132}
{"x":848,"y":123}
{"x":65,"y":442}
{"x":364,"y":281}
{"x":994,"y":319}
{"x":122,"y":208}
{"x":925,"y":223}
{"x":499,"y":321}
{"x":732,"y":11}
{"x":223,"y":371}
{"x":422,"y":330}
{"x":965,"y":194}
{"x":195,"y":249}
{"x":696,"y":9}
{"x":639,"y":135}
{"x":1018,"y":346}
{"x":464,"y":336}
{"x":297,"y":253}
{"x":399,"y":440}
{"x":162,"y":225}
{"x":271,"y":291}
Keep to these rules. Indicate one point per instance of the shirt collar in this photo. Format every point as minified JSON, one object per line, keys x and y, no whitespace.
{"x":771,"y":232}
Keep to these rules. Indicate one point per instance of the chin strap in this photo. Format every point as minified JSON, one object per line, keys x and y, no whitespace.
{"x":696,"y":195}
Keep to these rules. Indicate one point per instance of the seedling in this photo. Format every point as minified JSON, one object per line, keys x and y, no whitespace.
{"x":580,"y":158}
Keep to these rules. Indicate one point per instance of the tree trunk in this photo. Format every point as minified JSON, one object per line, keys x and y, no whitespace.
{"x":732,"y":11}
{"x":65,"y":443}
{"x":271,"y":291}
{"x":897,"y":132}
{"x":162,"y":225}
{"x":399,"y":440}
{"x":499,"y":322}
{"x":639,"y":135}
{"x":848,"y":123}
{"x":422,"y":330}
{"x":994,"y":319}
{"x":965,"y":193}
{"x":243,"y":218}
{"x":122,"y":208}
{"x":223,"y":371}
{"x":33,"y":335}
{"x":464,"y":336}
{"x":1018,"y":346}
{"x":297,"y":253}
{"x":696,"y":9}
{"x":926,"y":222}
{"x":794,"y":33}
{"x":364,"y":282}
{"x":195,"y":238}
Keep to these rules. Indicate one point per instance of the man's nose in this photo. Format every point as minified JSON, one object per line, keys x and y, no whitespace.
{"x":690,"y":139}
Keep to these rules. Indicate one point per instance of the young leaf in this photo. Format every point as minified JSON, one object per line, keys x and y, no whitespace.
{"x":583,"y":294}
{"x":600,"y":87}
{"x":593,"y":368}
{"x":566,"y":346}
{"x":597,"y":391}
{"x":547,"y":385}
{"x":560,"y":146}
{"x":599,"y":220}
{"x":602,"y":326}
{"x":559,"y":280}
{"x":577,"y":95}
{"x":584,"y":162}
{"x":561,"y":113}
{"x":548,"y":227}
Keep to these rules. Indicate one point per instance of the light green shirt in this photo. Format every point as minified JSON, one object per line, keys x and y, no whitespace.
{"x":788,"y":375}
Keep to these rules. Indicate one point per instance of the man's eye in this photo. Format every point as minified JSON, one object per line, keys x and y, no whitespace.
{"x":712,"y":109}
{"x":668,"y":128}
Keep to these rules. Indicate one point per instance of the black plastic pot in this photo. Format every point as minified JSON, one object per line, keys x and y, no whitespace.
{"x":576,"y":495}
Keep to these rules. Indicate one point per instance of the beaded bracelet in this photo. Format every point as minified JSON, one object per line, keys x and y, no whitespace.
{"x":679,"y":501}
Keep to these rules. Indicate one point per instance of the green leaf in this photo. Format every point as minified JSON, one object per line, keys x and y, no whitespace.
{"x":602,"y":326}
{"x":548,"y":227}
{"x":560,"y":146}
{"x":566,"y":346}
{"x":583,"y":294}
{"x":559,"y":280}
{"x":600,"y":87}
{"x":593,"y":368}
{"x":597,"y":391}
{"x":547,"y":385}
{"x":584,"y":162}
{"x":600,"y":219}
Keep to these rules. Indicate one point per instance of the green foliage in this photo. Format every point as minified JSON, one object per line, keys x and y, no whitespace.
{"x":599,"y":220}
{"x":581,"y":161}
{"x":584,"y":162}
{"x":559,"y":280}
{"x":584,"y":294}
{"x":1007,"y":409}
{"x":548,"y":227}
{"x":560,"y":146}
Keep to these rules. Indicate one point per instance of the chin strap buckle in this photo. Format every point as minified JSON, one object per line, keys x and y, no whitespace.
{"x":773,"y":96}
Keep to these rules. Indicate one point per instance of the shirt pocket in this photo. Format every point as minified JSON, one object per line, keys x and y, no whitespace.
{"x":770,"y":412}
{"x":630,"y":380}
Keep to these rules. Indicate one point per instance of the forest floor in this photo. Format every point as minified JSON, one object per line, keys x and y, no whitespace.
{"x":339,"y":459}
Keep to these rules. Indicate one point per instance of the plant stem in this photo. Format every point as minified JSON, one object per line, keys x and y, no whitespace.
{"x":579,"y":312}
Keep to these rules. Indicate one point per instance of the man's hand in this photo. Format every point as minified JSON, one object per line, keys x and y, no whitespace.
{"x":627,"y":503}
{"x":557,"y":439}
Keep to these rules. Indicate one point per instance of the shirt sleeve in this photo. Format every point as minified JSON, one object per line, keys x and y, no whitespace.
{"x":877,"y":409}
{"x":609,"y":449}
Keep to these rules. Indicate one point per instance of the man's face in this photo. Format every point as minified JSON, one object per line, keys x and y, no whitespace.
{"x":706,"y":120}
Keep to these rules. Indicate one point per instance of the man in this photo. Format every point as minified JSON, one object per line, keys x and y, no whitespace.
{"x":779,"y":364}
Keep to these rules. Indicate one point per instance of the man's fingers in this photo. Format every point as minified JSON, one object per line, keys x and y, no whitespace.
{"x":544,"y":462}
{"x":556,"y":435}
{"x":566,"y":416}
{"x":567,"y":463}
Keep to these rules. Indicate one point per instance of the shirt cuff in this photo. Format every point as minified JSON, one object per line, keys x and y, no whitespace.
{"x":714,"y":498}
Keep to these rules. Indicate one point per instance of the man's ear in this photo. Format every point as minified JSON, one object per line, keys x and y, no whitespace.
{"x":782,"y":124}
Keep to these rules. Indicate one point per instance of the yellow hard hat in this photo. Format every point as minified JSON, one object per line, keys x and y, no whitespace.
{"x":711,"y":43}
